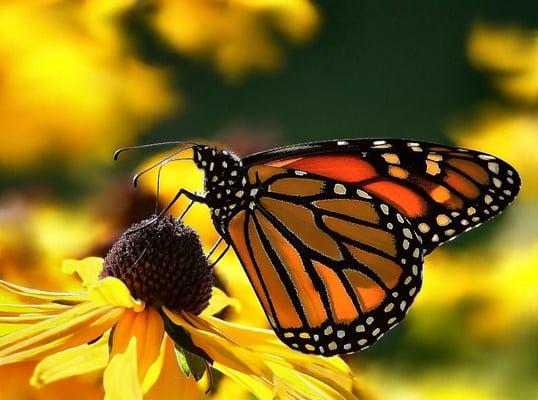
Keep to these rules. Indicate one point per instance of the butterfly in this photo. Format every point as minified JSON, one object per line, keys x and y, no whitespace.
{"x":332,"y":235}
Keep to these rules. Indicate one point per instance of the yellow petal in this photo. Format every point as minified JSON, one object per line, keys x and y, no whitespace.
{"x":121,"y":375}
{"x":222,"y":350}
{"x":9,"y":328}
{"x":87,"y":269}
{"x":8,"y":309}
{"x":241,"y":348}
{"x":112,"y":291}
{"x":23,"y":318}
{"x":172,"y":384}
{"x":229,"y":389}
{"x":152,"y":333}
{"x":289,"y":383}
{"x":62,"y":320}
{"x":261,"y":388}
{"x":75,"y":361}
{"x":147,"y":328}
{"x":79,"y":325}
{"x":42,"y":294}
{"x":265,"y":340}
{"x":219,"y":301}
{"x":154,"y":370}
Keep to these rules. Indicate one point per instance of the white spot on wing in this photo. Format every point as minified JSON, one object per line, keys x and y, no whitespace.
{"x":493,"y":167}
{"x":339,"y":189}
{"x":363,"y":194}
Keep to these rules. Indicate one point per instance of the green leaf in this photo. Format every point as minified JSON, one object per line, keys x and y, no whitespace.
{"x":182,"y":338}
{"x":197,"y":365}
{"x":182,"y":360}
{"x":190,"y":363}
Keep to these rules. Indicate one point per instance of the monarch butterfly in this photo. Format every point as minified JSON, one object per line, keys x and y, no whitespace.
{"x":332,"y":235}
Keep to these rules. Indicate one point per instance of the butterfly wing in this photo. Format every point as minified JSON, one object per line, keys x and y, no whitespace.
{"x":333,"y":267}
{"x":442,"y":190}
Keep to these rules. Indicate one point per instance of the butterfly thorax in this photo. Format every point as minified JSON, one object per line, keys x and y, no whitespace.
{"x":225,"y":183}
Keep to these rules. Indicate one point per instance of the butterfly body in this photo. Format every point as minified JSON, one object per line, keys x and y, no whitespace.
{"x":332,"y":235}
{"x":224,"y":182}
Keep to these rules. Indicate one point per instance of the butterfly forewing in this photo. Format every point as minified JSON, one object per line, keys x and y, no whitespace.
{"x":442,"y":190}
{"x":333,"y":267}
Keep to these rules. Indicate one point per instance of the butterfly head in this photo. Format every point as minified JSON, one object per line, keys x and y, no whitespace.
{"x":215,"y":162}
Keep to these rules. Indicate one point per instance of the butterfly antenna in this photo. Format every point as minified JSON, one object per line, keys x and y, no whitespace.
{"x":144,"y":146}
{"x":158,"y":190}
{"x":161,"y":166}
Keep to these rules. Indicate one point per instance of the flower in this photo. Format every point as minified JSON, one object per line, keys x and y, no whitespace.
{"x":36,"y":234}
{"x":510,"y":53}
{"x":158,"y":343}
{"x":507,"y":133}
{"x":70,"y":86}
{"x":237,"y":35}
{"x":15,"y":378}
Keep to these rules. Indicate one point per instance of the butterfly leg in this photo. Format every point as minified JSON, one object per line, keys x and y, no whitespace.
{"x":195,"y":198}
{"x":220,"y":255}
{"x":214,"y":247}
{"x":186,"y":210}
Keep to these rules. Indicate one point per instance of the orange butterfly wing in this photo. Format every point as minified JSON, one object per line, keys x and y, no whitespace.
{"x":334,"y":269}
{"x":442,"y":190}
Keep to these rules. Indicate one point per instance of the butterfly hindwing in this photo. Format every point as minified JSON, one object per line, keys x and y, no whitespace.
{"x":333,"y":267}
{"x":442,"y":190}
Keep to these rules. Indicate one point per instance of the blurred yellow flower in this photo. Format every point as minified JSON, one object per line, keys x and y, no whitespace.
{"x":510,"y":54}
{"x":509,"y":134}
{"x":15,"y":378}
{"x":35,"y":236}
{"x":236,"y":35}
{"x":499,"y":282}
{"x":70,"y":87}
{"x":446,"y":385}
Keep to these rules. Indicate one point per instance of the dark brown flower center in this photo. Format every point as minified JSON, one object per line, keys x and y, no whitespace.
{"x":162,"y":264}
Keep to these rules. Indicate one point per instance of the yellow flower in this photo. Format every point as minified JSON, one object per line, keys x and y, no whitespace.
{"x":145,"y":320}
{"x":36,"y":235}
{"x":15,"y":378}
{"x":237,"y":35}
{"x":443,"y":385}
{"x":69,"y":85}
{"x":511,"y":55}
{"x":485,"y":280}
{"x":509,"y":134}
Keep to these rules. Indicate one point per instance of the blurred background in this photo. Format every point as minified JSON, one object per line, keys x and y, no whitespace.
{"x":80,"y":78}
